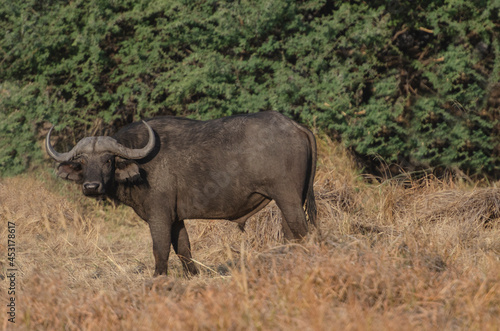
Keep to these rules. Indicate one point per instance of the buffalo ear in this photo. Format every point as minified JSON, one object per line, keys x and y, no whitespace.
{"x":70,"y":171}
{"x":126,"y":171}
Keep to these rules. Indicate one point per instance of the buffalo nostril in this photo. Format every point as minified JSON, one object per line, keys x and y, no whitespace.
{"x":91,"y":186}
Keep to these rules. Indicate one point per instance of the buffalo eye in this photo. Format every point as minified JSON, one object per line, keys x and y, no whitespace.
{"x":109,"y":163}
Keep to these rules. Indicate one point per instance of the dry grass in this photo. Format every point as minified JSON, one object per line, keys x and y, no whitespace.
{"x":424,"y":257}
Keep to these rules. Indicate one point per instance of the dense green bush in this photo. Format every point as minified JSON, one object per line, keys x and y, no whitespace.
{"x":414,"y":83}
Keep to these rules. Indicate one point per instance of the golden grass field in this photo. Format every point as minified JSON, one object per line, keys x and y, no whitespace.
{"x":412,"y":255}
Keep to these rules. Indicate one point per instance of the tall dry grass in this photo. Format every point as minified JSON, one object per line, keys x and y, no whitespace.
{"x":419,"y":256}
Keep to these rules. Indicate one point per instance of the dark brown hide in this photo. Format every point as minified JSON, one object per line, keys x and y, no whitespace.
{"x":228,"y":168}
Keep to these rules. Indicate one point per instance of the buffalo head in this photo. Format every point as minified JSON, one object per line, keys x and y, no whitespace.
{"x":98,"y":162}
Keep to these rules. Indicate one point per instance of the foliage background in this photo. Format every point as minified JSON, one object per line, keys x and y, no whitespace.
{"x":410,"y":83}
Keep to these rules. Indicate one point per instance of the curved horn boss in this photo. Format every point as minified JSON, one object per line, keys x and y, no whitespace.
{"x":103,"y":144}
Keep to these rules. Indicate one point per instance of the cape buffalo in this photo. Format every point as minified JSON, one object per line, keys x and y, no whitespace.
{"x":169,"y":169}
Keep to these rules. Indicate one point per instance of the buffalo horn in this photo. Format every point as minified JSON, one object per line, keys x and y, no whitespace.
{"x":59,"y":157}
{"x":132,"y":153}
{"x":103,"y":144}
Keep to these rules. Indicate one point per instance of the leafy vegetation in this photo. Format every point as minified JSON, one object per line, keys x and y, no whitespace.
{"x":414,"y":83}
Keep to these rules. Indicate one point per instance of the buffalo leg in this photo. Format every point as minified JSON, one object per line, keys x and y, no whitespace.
{"x":160,"y":232}
{"x":182,"y":247}
{"x":294,"y":218}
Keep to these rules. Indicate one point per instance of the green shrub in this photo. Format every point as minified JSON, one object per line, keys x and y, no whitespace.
{"x":410,"y":82}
